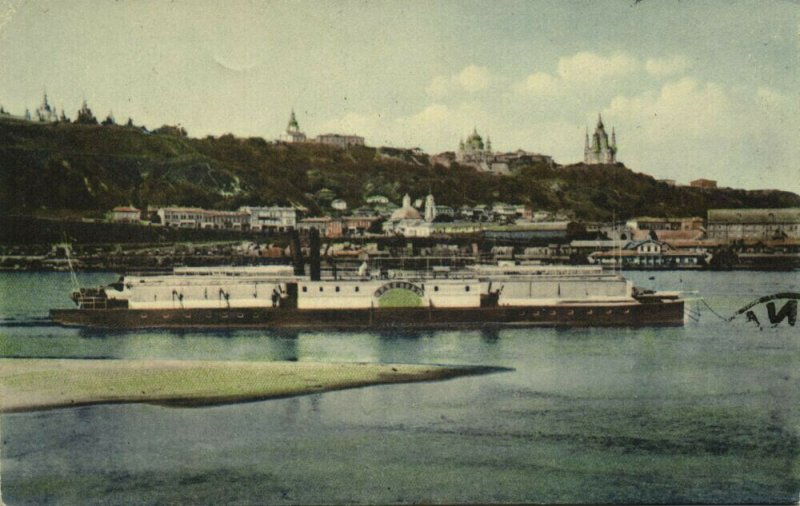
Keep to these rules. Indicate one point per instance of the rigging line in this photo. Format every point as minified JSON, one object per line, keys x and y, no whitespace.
{"x":73,"y":277}
{"x":714,"y":312}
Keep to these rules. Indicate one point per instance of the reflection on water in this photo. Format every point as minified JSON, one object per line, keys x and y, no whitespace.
{"x":705,"y":413}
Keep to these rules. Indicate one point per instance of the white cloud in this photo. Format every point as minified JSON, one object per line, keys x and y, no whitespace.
{"x":691,"y":129}
{"x":591,"y":67}
{"x":471,"y":79}
{"x":685,"y":104}
{"x":539,"y":84}
{"x":578,"y":73}
{"x":661,"y":67}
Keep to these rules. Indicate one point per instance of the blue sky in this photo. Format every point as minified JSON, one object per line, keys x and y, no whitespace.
{"x":694,"y":89}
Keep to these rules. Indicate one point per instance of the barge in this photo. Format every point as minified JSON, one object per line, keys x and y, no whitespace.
{"x":276,"y":297}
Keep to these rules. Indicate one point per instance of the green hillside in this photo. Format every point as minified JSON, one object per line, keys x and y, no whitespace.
{"x":71,"y":169}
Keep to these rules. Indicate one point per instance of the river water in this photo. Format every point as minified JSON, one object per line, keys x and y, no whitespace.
{"x":705,"y":413}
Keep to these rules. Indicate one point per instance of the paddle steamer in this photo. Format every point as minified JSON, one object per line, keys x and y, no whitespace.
{"x":276,"y":297}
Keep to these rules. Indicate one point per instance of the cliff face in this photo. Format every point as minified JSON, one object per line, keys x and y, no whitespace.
{"x":67,"y":168}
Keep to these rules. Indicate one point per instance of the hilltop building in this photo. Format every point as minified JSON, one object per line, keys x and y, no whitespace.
{"x":600,"y":150}
{"x":708,"y":184}
{"x":473,"y":151}
{"x":293,"y":133}
{"x":340,"y":141}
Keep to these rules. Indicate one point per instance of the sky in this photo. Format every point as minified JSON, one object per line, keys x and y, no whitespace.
{"x":693,"y":88}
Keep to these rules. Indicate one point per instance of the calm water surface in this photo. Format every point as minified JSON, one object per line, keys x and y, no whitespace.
{"x":706,"y":413}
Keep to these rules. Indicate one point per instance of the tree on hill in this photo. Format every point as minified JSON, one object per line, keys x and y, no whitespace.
{"x":109,"y":119}
{"x":85,"y":116}
{"x":175,"y":131}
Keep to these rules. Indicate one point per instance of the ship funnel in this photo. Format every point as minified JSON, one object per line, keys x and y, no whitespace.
{"x":297,"y":255}
{"x":314,"y":255}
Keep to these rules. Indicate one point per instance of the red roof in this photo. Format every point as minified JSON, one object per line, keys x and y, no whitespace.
{"x":123,"y":209}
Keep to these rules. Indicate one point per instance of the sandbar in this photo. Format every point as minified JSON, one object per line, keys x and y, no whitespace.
{"x":37,"y":384}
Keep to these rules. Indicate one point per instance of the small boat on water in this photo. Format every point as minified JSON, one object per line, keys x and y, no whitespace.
{"x":275,"y":297}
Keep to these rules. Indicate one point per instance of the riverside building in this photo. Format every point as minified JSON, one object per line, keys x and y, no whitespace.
{"x":738,"y":224}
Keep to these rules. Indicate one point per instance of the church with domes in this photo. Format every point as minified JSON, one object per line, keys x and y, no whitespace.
{"x":408,"y":216}
{"x":600,"y":150}
{"x":474,"y":151}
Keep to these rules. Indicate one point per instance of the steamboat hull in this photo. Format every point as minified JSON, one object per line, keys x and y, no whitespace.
{"x":634,"y":314}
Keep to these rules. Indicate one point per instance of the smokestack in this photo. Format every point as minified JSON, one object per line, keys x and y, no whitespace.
{"x":297,"y":255}
{"x":314,"y":254}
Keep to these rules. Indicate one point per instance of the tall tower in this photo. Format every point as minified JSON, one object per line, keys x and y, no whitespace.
{"x":430,"y":208}
{"x":292,"y":126}
{"x":601,"y":151}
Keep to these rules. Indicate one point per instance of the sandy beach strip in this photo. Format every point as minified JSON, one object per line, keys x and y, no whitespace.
{"x":36,"y":384}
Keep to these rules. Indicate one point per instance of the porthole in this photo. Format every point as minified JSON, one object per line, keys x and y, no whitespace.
{"x":356,"y":288}
{"x":305,"y":289}
{"x":337,"y":288}
{"x":435,"y":288}
{"x":466,"y":288}
{"x":321,"y":289}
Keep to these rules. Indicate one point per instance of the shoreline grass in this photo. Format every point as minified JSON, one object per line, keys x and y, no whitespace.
{"x":39,"y":384}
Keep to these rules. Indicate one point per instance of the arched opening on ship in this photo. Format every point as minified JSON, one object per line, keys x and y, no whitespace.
{"x":399,"y":294}
{"x":399,"y":297}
